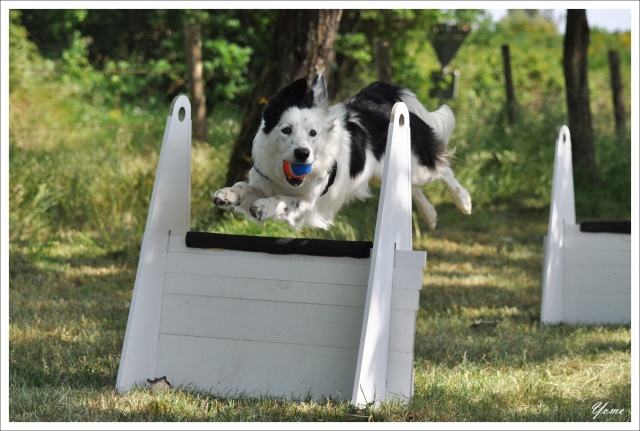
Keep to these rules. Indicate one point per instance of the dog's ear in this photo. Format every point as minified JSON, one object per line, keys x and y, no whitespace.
{"x":319,"y":90}
{"x":289,"y":95}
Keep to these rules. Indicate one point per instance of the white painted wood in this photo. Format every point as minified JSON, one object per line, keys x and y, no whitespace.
{"x":407,"y":278}
{"x":400,"y":375}
{"x":169,"y":211}
{"x":266,"y":290}
{"x":586,"y":275}
{"x":402,"y":331}
{"x":256,"y":320}
{"x":604,"y":279}
{"x":234,"y":367}
{"x":405,"y":299}
{"x":601,"y":258}
{"x":594,"y":241}
{"x":237,"y":322}
{"x":562,"y":212}
{"x":407,"y":258}
{"x":393,"y":232}
{"x":587,"y":308}
{"x":310,"y":269}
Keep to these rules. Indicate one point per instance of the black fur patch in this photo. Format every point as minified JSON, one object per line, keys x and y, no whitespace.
{"x":294,"y":94}
{"x":367,"y":121}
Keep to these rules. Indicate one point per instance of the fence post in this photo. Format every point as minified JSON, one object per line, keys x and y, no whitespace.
{"x":616,"y":87}
{"x":511,"y":96}
{"x":193,"y":43}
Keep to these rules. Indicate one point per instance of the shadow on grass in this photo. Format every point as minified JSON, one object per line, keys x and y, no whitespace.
{"x":67,"y":319}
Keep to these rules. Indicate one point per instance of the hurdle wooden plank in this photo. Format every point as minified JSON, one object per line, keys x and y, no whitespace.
{"x":230,"y":367}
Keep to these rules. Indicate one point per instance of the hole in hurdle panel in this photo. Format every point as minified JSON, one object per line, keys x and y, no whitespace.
{"x":181,"y":114}
{"x":401,"y":120}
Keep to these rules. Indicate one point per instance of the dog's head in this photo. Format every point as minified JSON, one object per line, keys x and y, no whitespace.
{"x":296,"y":127}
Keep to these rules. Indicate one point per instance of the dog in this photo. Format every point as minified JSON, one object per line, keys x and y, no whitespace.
{"x":309,"y":159}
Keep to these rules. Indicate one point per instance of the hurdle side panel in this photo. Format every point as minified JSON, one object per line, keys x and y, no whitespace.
{"x":562,"y":213}
{"x":405,"y":302}
{"x":232,"y":367}
{"x":393,"y":232}
{"x":596,"y":278}
{"x":168,"y":211}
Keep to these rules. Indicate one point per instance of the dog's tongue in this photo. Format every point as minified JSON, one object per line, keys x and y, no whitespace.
{"x":295,"y":172}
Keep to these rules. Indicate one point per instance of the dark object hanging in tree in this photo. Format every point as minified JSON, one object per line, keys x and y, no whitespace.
{"x":446,"y":40}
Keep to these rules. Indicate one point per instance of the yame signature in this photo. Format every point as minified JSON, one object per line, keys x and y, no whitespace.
{"x":601,"y":408}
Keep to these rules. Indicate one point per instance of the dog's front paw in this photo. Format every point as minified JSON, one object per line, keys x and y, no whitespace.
{"x":226,"y":197}
{"x":263,"y":209}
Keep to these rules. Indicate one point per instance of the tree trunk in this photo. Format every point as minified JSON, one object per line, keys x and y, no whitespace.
{"x":383,"y":59}
{"x":575,"y":61}
{"x":508,"y":80}
{"x":193,"y":43}
{"x":302,"y":46}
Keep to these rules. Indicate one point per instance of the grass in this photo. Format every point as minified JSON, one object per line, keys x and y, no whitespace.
{"x":481,"y":354}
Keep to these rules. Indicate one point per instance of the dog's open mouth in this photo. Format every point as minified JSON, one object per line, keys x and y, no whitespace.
{"x":295,"y":173}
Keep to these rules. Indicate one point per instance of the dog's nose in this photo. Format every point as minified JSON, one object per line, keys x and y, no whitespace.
{"x":301,"y":153}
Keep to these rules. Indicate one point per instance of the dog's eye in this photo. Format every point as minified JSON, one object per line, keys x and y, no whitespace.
{"x":312,"y":133}
{"x":286,"y":130}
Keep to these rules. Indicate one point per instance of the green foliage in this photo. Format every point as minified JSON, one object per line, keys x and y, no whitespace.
{"x":226,"y":68}
{"x":24,"y":60}
{"x":148,"y":51}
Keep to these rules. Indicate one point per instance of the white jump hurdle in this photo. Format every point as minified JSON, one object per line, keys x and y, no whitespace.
{"x":587,"y":267}
{"x":272,"y":316}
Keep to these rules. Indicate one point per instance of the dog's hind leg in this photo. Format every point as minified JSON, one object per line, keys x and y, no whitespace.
{"x":425,"y":208}
{"x":459,"y":194}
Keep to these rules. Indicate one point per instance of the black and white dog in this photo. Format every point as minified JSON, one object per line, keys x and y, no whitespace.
{"x":310,"y":159}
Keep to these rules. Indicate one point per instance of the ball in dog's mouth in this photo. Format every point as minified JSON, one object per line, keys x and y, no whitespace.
{"x":295,"y":173}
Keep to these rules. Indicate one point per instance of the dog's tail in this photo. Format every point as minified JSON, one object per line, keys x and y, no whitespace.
{"x":442,"y":120}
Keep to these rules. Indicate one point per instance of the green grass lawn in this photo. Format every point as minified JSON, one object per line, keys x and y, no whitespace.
{"x":481,"y":354}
